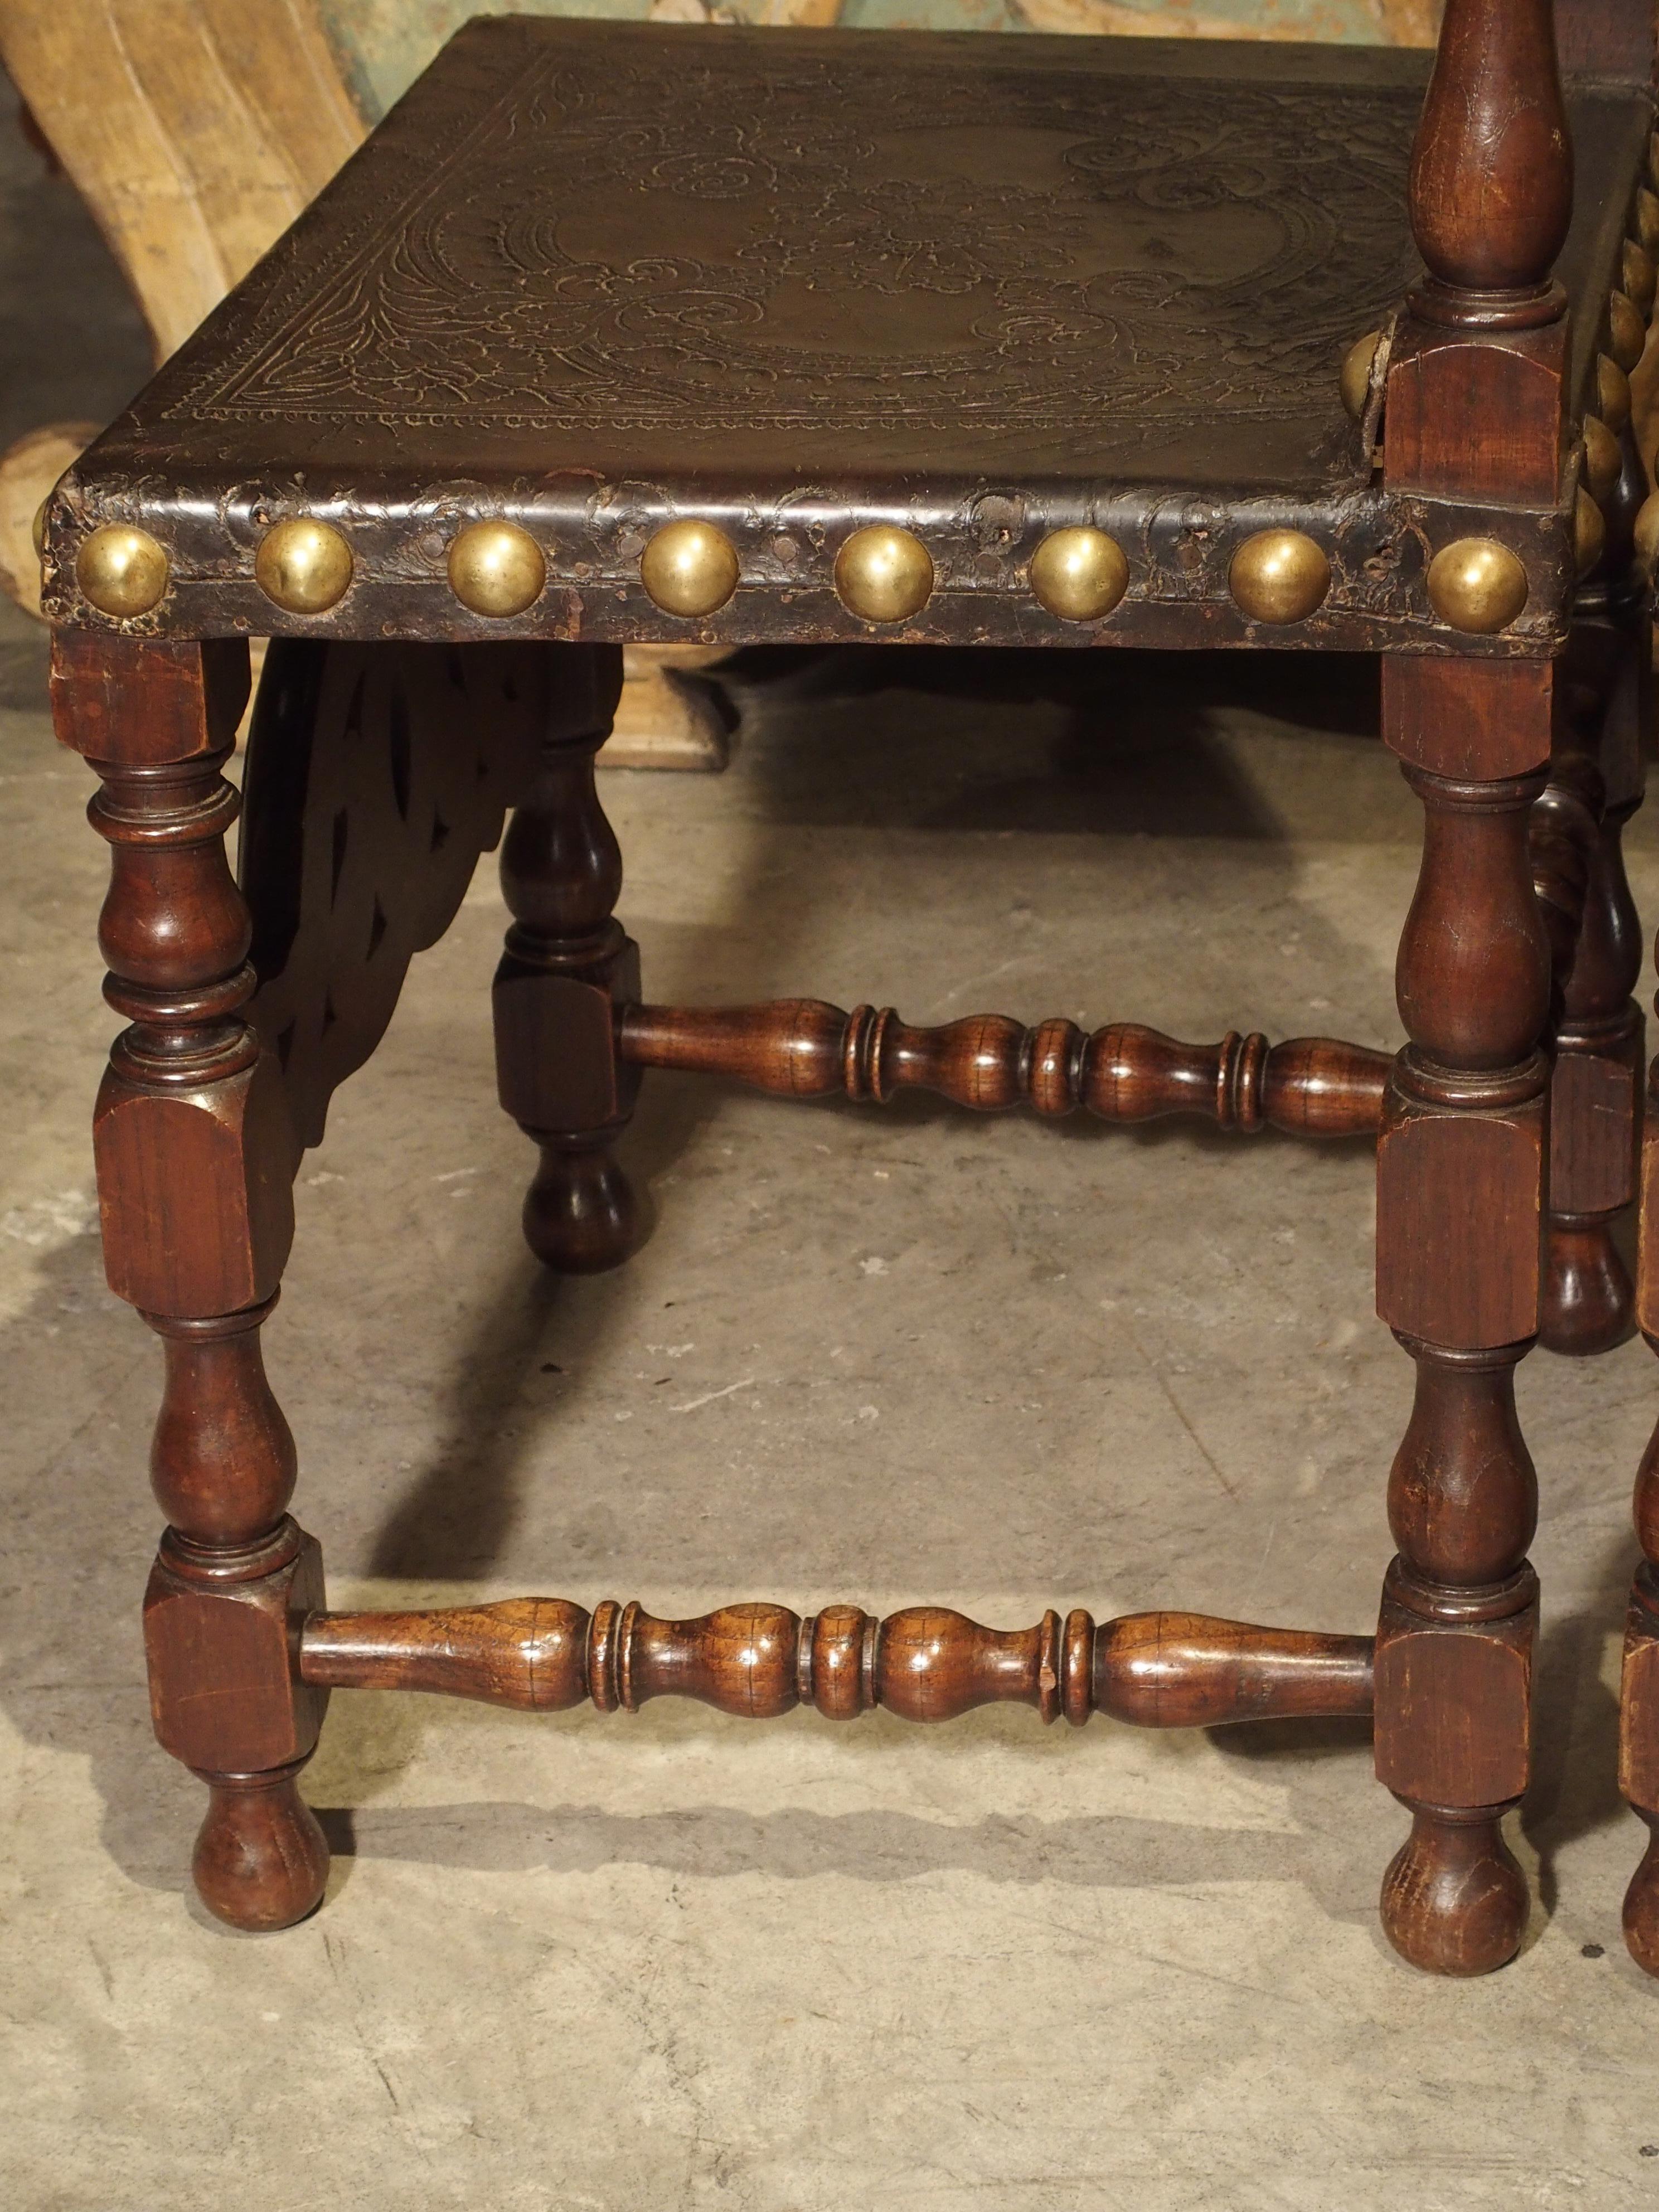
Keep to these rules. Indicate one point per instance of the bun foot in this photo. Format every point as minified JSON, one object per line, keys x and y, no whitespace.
{"x":1642,"y":1904}
{"x":1454,"y":1899}
{"x":580,"y":1216}
{"x":1588,"y":1304}
{"x":261,"y":1860}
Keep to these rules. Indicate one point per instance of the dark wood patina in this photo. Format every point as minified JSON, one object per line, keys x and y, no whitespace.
{"x":985,"y":287}
{"x":617,"y":334}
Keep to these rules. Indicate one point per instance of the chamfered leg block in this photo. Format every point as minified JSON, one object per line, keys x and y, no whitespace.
{"x":1460,"y":1166}
{"x":567,"y":967}
{"x":195,"y":1158}
{"x":1461,"y":1159}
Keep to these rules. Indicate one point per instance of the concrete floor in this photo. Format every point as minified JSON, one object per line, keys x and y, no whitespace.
{"x":676,"y":1960}
{"x":679,"y":1960}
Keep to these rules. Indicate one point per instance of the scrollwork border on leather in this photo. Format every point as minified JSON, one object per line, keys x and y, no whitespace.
{"x":460,"y":291}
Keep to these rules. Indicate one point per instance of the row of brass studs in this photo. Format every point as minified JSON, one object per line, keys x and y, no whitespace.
{"x":1644,"y":223}
{"x":1629,"y":308}
{"x":1644,"y":227}
{"x":689,"y":569}
{"x":883,"y":574}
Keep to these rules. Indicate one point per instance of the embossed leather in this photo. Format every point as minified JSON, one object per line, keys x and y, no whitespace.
{"x":594,"y":276}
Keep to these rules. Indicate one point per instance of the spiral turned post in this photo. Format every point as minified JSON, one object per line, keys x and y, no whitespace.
{"x":1562,"y":832}
{"x":804,"y":1049}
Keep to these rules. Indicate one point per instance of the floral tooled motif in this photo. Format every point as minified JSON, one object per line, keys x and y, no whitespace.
{"x":644,"y":245}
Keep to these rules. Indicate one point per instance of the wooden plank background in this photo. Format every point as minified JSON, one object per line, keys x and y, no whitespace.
{"x":197,"y":130}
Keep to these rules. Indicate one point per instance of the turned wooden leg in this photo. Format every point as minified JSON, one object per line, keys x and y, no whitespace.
{"x":1454,"y":1661}
{"x":1595,"y":1088}
{"x":195,"y":1156}
{"x":1459,"y":1196}
{"x":232,"y":1569}
{"x":567,"y":966}
{"x":1638,"y":1697}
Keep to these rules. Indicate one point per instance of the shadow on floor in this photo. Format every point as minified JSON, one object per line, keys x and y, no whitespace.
{"x":1112,"y":744}
{"x":1103,"y":746}
{"x":1142,"y":761}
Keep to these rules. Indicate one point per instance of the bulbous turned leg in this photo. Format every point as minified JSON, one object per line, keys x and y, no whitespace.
{"x":1453,"y":1662}
{"x":1461,"y":1193}
{"x":1641,"y":1902}
{"x":1588,"y":1298}
{"x":261,"y":1861}
{"x":195,"y":1163}
{"x":580,"y":1216}
{"x":1453,"y":1898}
{"x":567,"y":967}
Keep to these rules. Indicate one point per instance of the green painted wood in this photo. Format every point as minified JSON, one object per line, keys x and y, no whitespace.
{"x":383,"y":45}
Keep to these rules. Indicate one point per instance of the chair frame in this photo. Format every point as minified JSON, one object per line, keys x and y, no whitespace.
{"x":1506,"y":1127}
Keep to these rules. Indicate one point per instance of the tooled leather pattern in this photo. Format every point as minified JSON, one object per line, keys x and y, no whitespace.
{"x":628,"y":241}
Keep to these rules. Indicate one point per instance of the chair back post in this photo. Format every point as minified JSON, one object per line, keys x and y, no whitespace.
{"x":1491,"y":169}
{"x":1474,"y":429}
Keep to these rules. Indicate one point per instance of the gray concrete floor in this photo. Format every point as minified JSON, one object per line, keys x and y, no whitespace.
{"x":675,"y":1960}
{"x":679,"y":1960}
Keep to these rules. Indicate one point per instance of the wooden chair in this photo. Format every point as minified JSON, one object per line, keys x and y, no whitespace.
{"x":196,"y":133}
{"x":621,"y":334}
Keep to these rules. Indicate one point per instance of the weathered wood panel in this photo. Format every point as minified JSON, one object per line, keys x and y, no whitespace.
{"x":195,"y":130}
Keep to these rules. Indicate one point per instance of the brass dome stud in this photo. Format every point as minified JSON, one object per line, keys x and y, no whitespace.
{"x":1354,"y":380}
{"x":1646,"y":534}
{"x":1278,"y":576}
{"x":496,"y":569}
{"x":1611,"y":393}
{"x":303,"y":566}
{"x":1079,"y":574}
{"x":1603,"y":462}
{"x":1647,"y":218}
{"x":1627,"y":333}
{"x":1589,"y":533}
{"x":122,"y":571}
{"x":38,"y":528}
{"x":1636,"y":265}
{"x":884,"y":574}
{"x":689,"y":569}
{"x":1477,"y":585}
